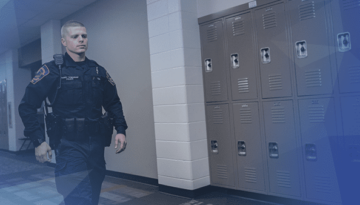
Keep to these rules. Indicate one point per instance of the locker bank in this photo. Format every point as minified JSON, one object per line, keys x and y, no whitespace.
{"x":258,"y":99}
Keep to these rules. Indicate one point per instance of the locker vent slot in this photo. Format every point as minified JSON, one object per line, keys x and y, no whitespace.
{"x":283,"y":179}
{"x":307,"y":11}
{"x":245,"y":116}
{"x":238,"y":27}
{"x":218,"y":117}
{"x":323,"y":184}
{"x":354,"y":74}
{"x":269,"y":20}
{"x":212,"y":34}
{"x":243,"y":85}
{"x":316,"y":113}
{"x":222,"y":172}
{"x":351,"y":4}
{"x":216,"y":88}
{"x":313,"y":78}
{"x":278,"y":114}
{"x":275,"y":82}
{"x":250,"y":175}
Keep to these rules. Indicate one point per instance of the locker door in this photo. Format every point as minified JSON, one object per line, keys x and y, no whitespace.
{"x":214,"y":68}
{"x":240,"y":55}
{"x":347,"y":41}
{"x":311,"y":47}
{"x":220,"y":145}
{"x":281,"y":148}
{"x":318,"y":123}
{"x":273,"y":51}
{"x":248,"y":139}
{"x":4,"y":138}
{"x":350,"y":110}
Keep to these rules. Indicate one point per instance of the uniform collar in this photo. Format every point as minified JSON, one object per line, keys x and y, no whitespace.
{"x":70,"y":62}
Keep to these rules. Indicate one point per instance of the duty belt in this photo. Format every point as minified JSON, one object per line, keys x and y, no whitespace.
{"x":77,"y":129}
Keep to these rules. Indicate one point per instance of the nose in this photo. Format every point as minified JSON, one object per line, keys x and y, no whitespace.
{"x":81,"y":39}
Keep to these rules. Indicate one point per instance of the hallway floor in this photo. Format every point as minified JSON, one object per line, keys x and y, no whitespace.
{"x":23,"y":181}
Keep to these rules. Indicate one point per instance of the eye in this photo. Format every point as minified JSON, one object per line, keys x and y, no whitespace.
{"x":84,"y":36}
{"x":75,"y":36}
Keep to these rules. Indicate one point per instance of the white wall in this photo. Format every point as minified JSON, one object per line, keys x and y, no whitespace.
{"x":206,"y":7}
{"x":118,"y":40}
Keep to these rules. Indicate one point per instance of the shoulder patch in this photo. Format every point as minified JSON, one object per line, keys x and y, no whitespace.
{"x":110,"y":79}
{"x":40,"y":74}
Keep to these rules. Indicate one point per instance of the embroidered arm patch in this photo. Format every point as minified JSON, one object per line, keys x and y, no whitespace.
{"x":110,"y":79}
{"x":40,"y":74}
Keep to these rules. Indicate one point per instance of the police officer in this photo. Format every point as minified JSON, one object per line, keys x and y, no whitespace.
{"x":78,"y":92}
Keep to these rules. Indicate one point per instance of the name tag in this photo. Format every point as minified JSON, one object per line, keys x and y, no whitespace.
{"x":70,"y":77}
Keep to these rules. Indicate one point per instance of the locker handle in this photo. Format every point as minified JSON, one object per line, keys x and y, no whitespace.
{"x":310,"y":152}
{"x":344,"y":42}
{"x":301,"y":49}
{"x":214,"y":146}
{"x":208,"y":65}
{"x":241,"y":148}
{"x":273,"y":150}
{"x":234,"y":58}
{"x":265,"y":55}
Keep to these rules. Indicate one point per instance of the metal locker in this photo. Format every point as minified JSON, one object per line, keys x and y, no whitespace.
{"x":240,"y":52}
{"x":220,"y":143}
{"x":280,"y":134}
{"x":311,"y":46}
{"x":214,"y":69}
{"x":4,"y":138}
{"x":318,"y":123}
{"x":350,"y":110}
{"x":273,"y":51}
{"x":346,"y":38}
{"x":248,"y":140}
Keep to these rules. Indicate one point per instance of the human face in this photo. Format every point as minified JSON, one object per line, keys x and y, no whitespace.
{"x":75,"y":40}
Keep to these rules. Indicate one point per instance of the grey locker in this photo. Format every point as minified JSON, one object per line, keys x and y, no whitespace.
{"x":310,"y":45}
{"x":318,"y":123}
{"x":248,"y":141}
{"x":4,"y":138}
{"x":282,"y":151}
{"x":214,"y":68}
{"x":273,"y":51}
{"x":350,"y":110}
{"x":346,"y":38}
{"x":240,"y":52}
{"x":220,"y":143}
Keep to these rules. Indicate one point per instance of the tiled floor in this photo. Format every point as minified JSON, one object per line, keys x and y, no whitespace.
{"x":23,"y":181}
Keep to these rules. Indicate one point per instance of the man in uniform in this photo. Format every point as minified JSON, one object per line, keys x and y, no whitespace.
{"x":78,"y":99}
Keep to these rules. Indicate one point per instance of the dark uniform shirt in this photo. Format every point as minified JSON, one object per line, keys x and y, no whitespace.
{"x":86,"y":87}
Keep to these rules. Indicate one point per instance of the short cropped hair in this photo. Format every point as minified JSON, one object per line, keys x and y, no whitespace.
{"x":71,"y":23}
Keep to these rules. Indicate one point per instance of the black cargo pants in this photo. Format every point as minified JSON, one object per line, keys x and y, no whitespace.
{"x":80,"y":170}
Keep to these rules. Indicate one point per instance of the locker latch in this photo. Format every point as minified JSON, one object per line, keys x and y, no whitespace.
{"x":265,"y":55}
{"x":241,"y":148}
{"x":273,"y":150}
{"x":344,"y":42}
{"x":208,"y":65}
{"x":301,"y":49}
{"x":310,"y":152}
{"x":214,"y":146}
{"x":234,"y":60}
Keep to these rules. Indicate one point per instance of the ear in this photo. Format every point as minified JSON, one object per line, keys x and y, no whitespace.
{"x":63,"y":42}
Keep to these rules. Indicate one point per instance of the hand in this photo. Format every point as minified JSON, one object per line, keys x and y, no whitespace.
{"x":42,"y":151}
{"x":121,"y":138}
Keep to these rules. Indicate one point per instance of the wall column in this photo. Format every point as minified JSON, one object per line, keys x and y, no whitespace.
{"x":178,"y":98}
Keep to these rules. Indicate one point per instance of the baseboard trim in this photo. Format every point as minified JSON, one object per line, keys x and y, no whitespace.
{"x":145,"y":180}
{"x":185,"y":192}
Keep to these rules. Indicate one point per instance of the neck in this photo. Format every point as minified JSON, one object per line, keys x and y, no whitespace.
{"x":77,"y":57}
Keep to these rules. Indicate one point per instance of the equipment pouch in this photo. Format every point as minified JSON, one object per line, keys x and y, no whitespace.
{"x":106,"y":128}
{"x":53,"y":129}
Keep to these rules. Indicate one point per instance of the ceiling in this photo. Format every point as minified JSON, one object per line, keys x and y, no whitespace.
{"x":21,"y":20}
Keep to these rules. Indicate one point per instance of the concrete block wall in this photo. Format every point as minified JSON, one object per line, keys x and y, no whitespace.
{"x":178,"y":98}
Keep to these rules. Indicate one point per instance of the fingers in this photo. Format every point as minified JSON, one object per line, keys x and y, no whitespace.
{"x":122,"y":148}
{"x":49,"y":154}
{"x":116,"y":142}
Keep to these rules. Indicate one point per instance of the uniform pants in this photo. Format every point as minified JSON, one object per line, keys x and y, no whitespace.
{"x":80,"y":171}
